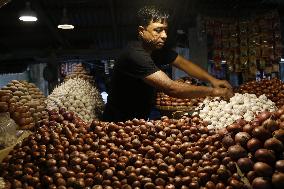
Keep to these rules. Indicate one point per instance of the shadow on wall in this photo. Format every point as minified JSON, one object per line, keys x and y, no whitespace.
{"x":36,"y":77}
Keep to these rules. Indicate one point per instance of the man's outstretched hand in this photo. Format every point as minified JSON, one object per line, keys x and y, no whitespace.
{"x":222,"y":92}
{"x":217,"y":83}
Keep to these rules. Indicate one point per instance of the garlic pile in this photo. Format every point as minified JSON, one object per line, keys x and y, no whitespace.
{"x":80,"y":72}
{"x":79,"y":96}
{"x":25,"y":103}
{"x":219,"y":113}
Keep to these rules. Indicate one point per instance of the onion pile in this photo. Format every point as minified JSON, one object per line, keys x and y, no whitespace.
{"x":25,"y":103}
{"x":79,"y":96}
{"x":80,"y":72}
{"x":273,"y":89}
{"x":258,"y":149}
{"x":163,"y":100}
{"x":219,"y":113}
{"x":165,"y":153}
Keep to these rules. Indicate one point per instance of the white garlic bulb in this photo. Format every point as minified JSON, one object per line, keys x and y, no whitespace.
{"x":79,"y":96}
{"x":220,"y":114}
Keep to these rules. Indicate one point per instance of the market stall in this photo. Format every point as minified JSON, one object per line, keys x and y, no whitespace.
{"x":59,"y":141}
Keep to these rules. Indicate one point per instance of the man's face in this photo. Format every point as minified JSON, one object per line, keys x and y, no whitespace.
{"x":155,"y":34}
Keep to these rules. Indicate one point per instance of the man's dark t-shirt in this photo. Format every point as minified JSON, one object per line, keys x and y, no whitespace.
{"x":129,"y":96}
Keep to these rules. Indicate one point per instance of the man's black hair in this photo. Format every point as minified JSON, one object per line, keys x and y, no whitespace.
{"x":148,"y":13}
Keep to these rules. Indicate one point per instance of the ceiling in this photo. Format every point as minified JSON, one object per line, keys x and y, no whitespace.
{"x":102,"y":27}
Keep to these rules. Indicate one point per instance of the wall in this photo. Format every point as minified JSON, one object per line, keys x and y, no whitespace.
{"x":34,"y":74}
{"x":195,"y":50}
{"x":197,"y":47}
{"x":36,"y":77}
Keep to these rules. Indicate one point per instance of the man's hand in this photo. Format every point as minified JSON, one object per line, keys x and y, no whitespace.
{"x":223,"y":92}
{"x":217,"y":83}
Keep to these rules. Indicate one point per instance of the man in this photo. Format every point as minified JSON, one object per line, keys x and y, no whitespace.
{"x":136,"y":75}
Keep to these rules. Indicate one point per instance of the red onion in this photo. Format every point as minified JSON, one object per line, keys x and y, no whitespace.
{"x":228,"y":141}
{"x":265,"y":155}
{"x":254,"y":144}
{"x":241,"y":122}
{"x":278,"y":180}
{"x":236,"y":152}
{"x":274,"y":144}
{"x":251,"y":175}
{"x":263,"y":116}
{"x":261,"y":133}
{"x":271,"y":125}
{"x":261,"y":183}
{"x":263,"y":169}
{"x":279,"y":166}
{"x":242,"y":138}
{"x":248,"y":128}
{"x":279,"y":112}
{"x":245,"y":164}
{"x":234,"y":128}
{"x":223,"y":131}
{"x":279,"y":134}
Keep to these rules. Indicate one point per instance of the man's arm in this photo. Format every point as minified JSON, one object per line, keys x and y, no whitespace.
{"x":162,"y":82}
{"x":197,"y":72}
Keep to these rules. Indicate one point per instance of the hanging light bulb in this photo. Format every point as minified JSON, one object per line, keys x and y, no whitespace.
{"x":4,"y":2}
{"x":65,"y":23}
{"x":28,"y":15}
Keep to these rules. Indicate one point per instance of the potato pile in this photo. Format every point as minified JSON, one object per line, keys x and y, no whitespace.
{"x":164,"y":100}
{"x":79,"y":96}
{"x":25,"y":103}
{"x":80,"y":72}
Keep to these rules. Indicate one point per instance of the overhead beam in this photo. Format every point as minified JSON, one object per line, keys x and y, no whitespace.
{"x":53,"y":29}
{"x":38,"y":54}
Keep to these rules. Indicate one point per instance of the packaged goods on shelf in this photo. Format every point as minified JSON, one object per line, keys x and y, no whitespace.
{"x":246,"y":45}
